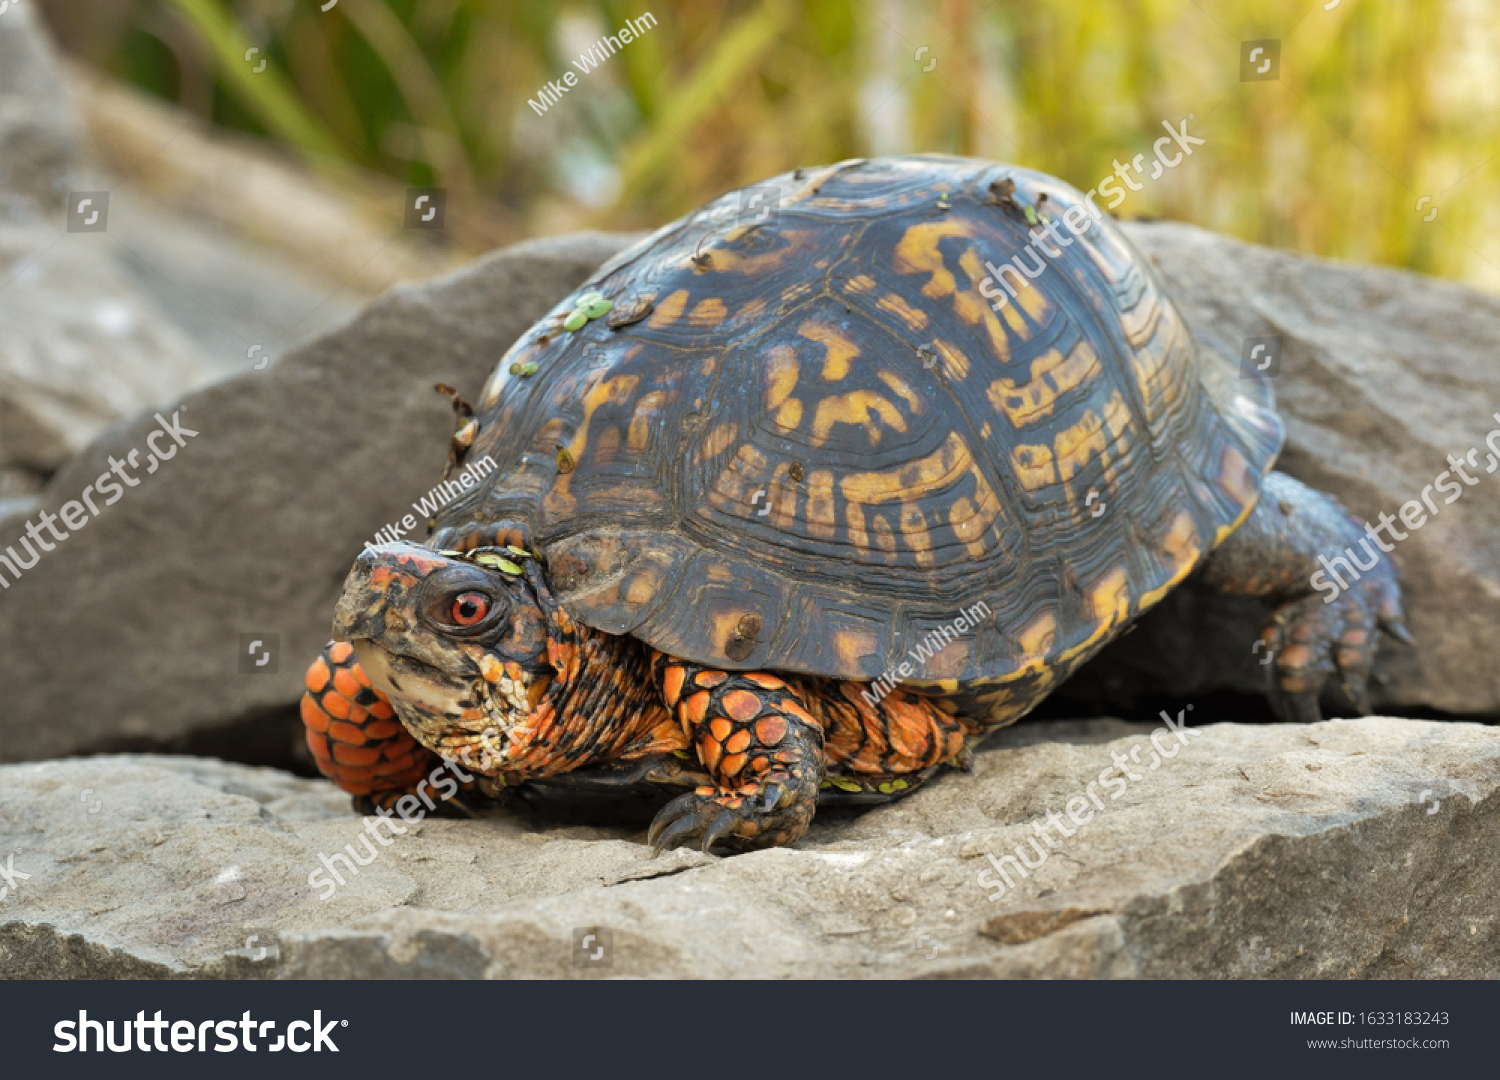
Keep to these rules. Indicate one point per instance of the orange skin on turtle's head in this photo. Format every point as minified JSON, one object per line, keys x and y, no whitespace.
{"x":461,"y":650}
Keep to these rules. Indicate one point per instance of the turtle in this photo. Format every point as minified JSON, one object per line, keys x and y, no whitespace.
{"x":798,"y":497}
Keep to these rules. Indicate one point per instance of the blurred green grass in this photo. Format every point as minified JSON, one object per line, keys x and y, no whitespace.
{"x":1379,"y":102}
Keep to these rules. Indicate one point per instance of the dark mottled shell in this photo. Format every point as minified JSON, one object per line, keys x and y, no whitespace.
{"x":803,"y":440}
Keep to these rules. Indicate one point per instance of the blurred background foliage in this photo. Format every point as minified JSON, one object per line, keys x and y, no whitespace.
{"x":1379,"y":102}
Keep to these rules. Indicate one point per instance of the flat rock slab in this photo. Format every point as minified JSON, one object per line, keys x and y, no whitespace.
{"x":1347,"y":849}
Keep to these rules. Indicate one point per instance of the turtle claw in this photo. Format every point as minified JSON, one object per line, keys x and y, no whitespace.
{"x":1397,"y":629}
{"x":1313,"y":641}
{"x":721,"y":827}
{"x":673,"y":823}
{"x":743,"y":822}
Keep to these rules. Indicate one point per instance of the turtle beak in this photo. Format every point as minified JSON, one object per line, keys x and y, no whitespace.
{"x":381,"y":576}
{"x":358,"y":616}
{"x":361,"y":608}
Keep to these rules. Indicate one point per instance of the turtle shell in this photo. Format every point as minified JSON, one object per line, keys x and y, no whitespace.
{"x":807,"y":434}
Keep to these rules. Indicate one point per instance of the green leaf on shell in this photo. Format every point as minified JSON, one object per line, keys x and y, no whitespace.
{"x":599,"y":308}
{"x":576,"y":320}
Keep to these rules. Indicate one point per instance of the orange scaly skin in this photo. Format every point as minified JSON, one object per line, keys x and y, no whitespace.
{"x":762,"y":748}
{"x":353,"y":732}
{"x":765,"y":746}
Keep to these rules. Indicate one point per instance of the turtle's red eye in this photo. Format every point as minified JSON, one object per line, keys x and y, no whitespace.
{"x":469,"y":608}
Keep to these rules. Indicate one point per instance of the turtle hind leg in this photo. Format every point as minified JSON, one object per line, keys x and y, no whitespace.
{"x":1292,"y":550}
{"x":762,"y":748}
{"x":883,"y":747}
{"x":358,"y":742}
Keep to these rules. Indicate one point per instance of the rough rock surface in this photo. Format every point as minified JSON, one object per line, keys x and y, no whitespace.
{"x":82,"y":347}
{"x":251,"y":527}
{"x":1348,"y":849}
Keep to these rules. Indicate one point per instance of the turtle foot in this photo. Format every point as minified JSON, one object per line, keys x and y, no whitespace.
{"x":762,"y":815}
{"x":1317,"y":638}
{"x":354,"y":734}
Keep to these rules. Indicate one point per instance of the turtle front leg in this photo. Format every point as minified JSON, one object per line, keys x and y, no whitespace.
{"x":1333,"y":586}
{"x":760,"y":745}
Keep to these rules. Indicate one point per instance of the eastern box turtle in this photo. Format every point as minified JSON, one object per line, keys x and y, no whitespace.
{"x":801,"y":495}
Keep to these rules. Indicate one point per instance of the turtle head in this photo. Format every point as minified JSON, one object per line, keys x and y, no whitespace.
{"x":458,"y":642}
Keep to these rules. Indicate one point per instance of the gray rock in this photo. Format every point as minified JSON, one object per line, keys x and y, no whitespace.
{"x":1348,"y":849}
{"x":38,"y":134}
{"x":130,"y":632}
{"x":82,"y":347}
{"x":1382,"y":375}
